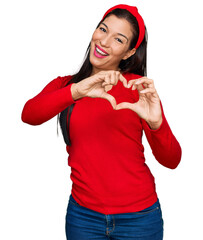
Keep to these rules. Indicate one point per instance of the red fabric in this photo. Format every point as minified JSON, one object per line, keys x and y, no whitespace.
{"x":134,"y":11}
{"x":108,"y":168}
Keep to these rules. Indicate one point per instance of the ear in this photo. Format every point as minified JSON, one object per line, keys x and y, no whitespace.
{"x":129,"y":54}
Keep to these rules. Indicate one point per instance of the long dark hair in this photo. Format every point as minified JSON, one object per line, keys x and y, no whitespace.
{"x":137,"y":64}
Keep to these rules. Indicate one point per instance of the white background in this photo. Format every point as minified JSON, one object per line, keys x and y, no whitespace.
{"x":43,"y":39}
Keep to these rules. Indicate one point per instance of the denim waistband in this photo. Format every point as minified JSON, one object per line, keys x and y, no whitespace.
{"x":153,"y":206}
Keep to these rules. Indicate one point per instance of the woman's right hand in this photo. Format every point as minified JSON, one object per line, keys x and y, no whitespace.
{"x":94,"y":86}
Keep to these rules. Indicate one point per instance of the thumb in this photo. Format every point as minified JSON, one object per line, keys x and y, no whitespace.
{"x":124,"y":105}
{"x":111,"y":99}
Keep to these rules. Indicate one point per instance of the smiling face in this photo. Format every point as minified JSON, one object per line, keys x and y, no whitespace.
{"x":110,"y":44}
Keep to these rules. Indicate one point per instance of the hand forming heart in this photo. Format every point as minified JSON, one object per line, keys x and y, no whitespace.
{"x":148,"y":106}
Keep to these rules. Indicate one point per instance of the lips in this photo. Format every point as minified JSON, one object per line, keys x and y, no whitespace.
{"x":99,"y":52}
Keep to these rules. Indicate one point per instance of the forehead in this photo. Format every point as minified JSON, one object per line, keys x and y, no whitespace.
{"x":118,"y":25}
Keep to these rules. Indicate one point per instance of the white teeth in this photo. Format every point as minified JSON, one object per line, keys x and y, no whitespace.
{"x":99,"y":51}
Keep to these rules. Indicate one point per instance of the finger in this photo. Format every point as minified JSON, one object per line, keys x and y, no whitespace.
{"x":148,"y":90}
{"x":107,"y":79}
{"x":113,"y":78}
{"x":131,"y":82}
{"x":111,"y":99}
{"x":117,"y":73}
{"x":148,"y":86}
{"x":142,"y":78}
{"x":140,"y":87}
{"x":134,"y":87}
{"x":124,"y":105}
{"x":123,"y":80}
{"x":145,"y":81}
{"x":103,"y":83}
{"x":139,"y":81}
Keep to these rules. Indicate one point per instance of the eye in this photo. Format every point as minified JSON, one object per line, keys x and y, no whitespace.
{"x":102,"y":29}
{"x":119,"y":40}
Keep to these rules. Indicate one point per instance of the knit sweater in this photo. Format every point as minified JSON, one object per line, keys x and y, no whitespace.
{"x":108,"y":170}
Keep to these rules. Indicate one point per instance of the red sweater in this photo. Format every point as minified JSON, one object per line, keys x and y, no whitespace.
{"x":108,"y":168}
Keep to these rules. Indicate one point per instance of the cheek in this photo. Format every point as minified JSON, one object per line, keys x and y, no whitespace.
{"x":93,"y":37}
{"x":119,"y":51}
{"x":96,"y":35}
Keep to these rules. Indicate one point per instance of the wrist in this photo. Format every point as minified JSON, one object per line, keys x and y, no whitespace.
{"x":74,"y":91}
{"x":155,"y":125}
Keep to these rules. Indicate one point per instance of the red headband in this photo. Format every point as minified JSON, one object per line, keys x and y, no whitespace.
{"x":134,"y":11}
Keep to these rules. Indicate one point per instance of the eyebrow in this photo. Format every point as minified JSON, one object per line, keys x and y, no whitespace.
{"x":117,"y":33}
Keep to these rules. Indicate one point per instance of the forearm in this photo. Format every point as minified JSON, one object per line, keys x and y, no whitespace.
{"x":45,"y":106}
{"x":163,"y":143}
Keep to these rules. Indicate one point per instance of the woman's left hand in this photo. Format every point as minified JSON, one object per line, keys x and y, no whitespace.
{"x":148,"y":107}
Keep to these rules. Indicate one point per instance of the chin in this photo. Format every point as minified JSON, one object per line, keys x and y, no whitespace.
{"x":95,"y":62}
{"x":101,"y":63}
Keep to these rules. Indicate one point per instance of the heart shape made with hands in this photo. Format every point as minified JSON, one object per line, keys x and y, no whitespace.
{"x":147,"y":106}
{"x":131,"y":86}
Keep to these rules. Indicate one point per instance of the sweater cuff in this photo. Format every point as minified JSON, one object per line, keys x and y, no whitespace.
{"x":69,"y":95}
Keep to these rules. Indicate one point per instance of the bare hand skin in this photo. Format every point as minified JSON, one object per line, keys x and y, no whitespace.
{"x":148,"y":107}
{"x":75,"y":94}
{"x":95,"y":86}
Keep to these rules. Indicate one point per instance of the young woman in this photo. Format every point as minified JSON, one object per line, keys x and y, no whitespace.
{"x":113,"y":194}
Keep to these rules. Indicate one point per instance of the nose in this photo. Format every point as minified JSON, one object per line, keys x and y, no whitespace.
{"x":105,"y":41}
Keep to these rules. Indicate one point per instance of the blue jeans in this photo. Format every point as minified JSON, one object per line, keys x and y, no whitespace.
{"x":84,"y":224}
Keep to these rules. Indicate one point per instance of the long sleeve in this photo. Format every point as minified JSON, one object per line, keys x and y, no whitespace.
{"x":53,"y":99}
{"x":165,"y":147}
